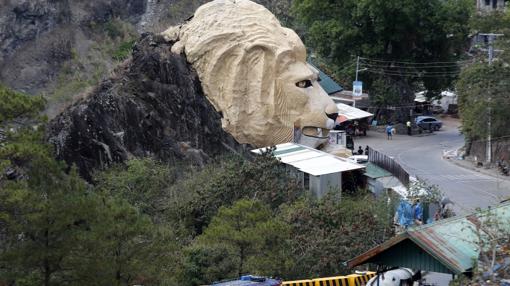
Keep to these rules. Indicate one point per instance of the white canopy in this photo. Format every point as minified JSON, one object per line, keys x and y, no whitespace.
{"x":352,"y":113}
{"x":311,"y":161}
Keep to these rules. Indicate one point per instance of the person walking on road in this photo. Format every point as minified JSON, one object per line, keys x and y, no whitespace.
{"x":389,"y":131}
{"x":408,"y":124}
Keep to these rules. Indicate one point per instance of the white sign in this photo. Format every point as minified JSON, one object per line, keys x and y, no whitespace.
{"x":357,"y":88}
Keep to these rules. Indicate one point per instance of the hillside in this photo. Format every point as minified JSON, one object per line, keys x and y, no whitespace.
{"x":152,"y":105}
{"x":62,"y":48}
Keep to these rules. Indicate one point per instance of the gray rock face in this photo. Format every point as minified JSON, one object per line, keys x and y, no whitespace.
{"x":153,"y":106}
{"x":37,"y":36}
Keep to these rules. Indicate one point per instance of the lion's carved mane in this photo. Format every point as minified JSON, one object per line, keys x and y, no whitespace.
{"x":249,"y":65}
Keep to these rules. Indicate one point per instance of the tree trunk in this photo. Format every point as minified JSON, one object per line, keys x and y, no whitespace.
{"x":241,"y":260}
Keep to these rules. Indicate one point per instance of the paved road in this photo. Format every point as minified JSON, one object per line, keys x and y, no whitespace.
{"x":422,"y":157}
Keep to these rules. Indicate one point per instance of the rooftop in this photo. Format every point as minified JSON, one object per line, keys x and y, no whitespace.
{"x":309,"y":160}
{"x":448,"y":246}
{"x":327,"y":83}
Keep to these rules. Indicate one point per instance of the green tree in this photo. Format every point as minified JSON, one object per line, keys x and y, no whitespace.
{"x":328,"y":232}
{"x":126,"y":247}
{"x":144,"y":183}
{"x":15,"y":104}
{"x":17,"y":145}
{"x":249,"y":238}
{"x":484,"y":94}
{"x":56,"y":230}
{"x":484,"y":88}
{"x":392,"y":31}
{"x":202,"y":193}
{"x":44,"y":218}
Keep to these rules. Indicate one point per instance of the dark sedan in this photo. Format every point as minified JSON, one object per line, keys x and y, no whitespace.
{"x":428,"y":123}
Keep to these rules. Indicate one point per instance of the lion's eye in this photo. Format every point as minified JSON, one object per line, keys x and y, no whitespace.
{"x":304,"y":83}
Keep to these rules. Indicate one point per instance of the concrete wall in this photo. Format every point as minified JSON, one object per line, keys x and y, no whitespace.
{"x":481,"y":5}
{"x":320,"y":185}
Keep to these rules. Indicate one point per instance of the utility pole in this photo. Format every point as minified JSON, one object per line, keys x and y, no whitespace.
{"x":490,"y":38}
{"x":357,"y":70}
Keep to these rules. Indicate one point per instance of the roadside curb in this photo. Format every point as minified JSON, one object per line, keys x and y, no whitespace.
{"x":467,"y":165}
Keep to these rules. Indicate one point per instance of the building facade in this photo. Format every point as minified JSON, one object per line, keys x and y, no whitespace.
{"x":490,"y":5}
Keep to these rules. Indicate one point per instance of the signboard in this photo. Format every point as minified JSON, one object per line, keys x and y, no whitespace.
{"x":357,"y":88}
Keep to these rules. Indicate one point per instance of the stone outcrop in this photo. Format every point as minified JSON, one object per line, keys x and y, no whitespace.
{"x":37,"y":37}
{"x":152,"y":106}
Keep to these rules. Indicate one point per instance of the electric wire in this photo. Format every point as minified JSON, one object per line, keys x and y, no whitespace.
{"x":415,"y":63}
{"x":452,"y":74}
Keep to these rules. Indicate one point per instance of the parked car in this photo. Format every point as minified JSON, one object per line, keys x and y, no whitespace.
{"x":428,"y":123}
{"x":359,"y":159}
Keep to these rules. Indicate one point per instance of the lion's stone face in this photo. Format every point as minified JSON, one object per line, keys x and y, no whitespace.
{"x":255,"y":73}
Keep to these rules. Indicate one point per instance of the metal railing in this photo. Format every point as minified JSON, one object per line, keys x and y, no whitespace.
{"x":389,"y":164}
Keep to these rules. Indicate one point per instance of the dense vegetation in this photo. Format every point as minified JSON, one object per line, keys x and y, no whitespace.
{"x":394,"y":39}
{"x":151,"y":223}
{"x":483,"y":89}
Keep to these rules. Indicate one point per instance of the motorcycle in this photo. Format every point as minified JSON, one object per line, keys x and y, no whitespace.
{"x":503,"y":168}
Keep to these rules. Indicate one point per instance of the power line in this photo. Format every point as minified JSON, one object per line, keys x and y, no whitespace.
{"x":411,"y":67}
{"x":452,"y":74}
{"x":415,"y":72}
{"x":414,"y":63}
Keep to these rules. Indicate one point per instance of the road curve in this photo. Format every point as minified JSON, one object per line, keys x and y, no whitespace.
{"x":423,"y":157}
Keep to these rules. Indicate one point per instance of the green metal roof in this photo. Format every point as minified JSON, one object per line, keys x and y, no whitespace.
{"x":373,"y":171}
{"x":327,"y":83}
{"x":448,"y":246}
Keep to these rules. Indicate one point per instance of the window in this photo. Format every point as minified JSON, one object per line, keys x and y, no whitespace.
{"x":487,"y":2}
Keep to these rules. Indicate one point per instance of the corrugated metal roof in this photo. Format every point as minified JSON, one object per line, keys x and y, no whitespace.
{"x":311,"y":161}
{"x":373,"y":171}
{"x":327,"y":83}
{"x":454,"y":243}
{"x":352,"y":113}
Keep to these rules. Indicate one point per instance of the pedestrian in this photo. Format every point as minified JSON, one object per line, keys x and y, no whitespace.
{"x":360,"y":150}
{"x":408,"y":127}
{"x":389,"y":131}
{"x":366,"y":150}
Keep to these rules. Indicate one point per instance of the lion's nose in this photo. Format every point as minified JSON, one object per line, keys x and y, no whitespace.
{"x":331,"y":111}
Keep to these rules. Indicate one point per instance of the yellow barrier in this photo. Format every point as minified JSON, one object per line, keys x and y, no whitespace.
{"x":349,"y":280}
{"x":360,"y":279}
{"x":298,"y":283}
{"x":332,"y":281}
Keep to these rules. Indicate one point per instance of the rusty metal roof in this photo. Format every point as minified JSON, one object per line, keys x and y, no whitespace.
{"x":451,"y":245}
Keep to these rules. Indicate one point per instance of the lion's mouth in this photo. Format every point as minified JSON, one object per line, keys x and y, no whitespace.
{"x":315,"y":132}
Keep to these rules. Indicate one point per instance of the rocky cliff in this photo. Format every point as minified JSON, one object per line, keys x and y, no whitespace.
{"x":46,"y":44}
{"x":38,"y":36}
{"x":153,"y":106}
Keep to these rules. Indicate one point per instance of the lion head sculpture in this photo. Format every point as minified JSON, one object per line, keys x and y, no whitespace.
{"x":254,"y":72}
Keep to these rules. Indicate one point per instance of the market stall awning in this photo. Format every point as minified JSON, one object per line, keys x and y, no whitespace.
{"x":309,"y":160}
{"x":352,"y":113}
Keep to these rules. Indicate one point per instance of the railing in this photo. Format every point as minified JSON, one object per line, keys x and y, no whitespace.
{"x":389,"y":164}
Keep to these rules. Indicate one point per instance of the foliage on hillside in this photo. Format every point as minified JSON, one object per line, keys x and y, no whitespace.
{"x":392,"y":32}
{"x":484,"y":88}
{"x":57,"y":230}
{"x":14,"y":104}
{"x":150,"y":223}
{"x":111,"y":43}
